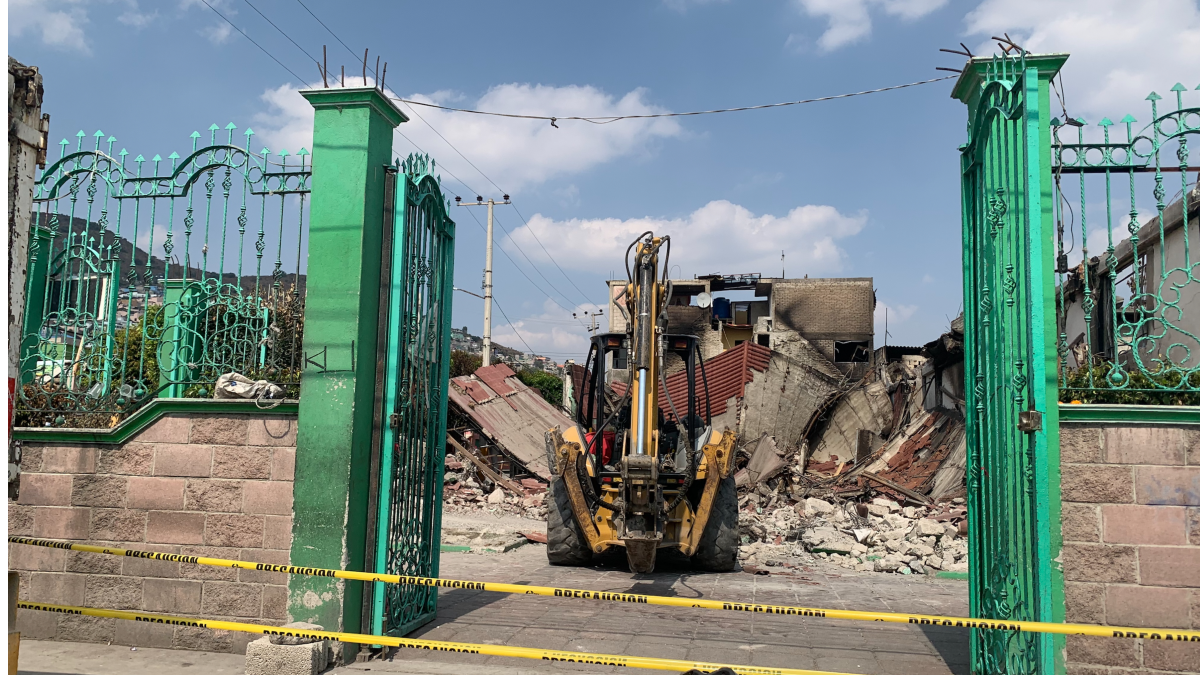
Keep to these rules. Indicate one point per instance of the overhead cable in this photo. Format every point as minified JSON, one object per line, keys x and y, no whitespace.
{"x":281,"y":31}
{"x":264,"y":49}
{"x":607,"y":119}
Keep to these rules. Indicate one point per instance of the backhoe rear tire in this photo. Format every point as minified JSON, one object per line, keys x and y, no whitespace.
{"x":718,"y":547}
{"x":565,"y":543}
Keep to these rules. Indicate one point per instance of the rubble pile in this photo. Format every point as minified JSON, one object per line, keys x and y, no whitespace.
{"x":864,"y":469}
{"x":465,"y":489}
{"x":878,"y":536}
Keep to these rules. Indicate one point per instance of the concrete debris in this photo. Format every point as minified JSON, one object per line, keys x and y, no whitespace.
{"x":865,"y":471}
{"x":765,"y":463}
{"x":466,"y":487}
{"x":289,"y":654}
{"x":921,"y":541}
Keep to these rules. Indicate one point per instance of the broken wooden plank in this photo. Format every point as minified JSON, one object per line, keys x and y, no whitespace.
{"x":915,"y":496}
{"x":481,"y":464}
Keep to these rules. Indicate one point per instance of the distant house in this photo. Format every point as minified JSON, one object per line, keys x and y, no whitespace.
{"x":1152,"y":304}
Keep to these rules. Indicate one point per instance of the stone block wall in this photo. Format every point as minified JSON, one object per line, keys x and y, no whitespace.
{"x":1131,"y":543}
{"x":207,"y":485}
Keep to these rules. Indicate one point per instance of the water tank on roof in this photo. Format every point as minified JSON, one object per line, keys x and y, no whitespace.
{"x":722,"y":308}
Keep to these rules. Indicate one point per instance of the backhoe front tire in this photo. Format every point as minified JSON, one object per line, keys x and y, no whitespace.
{"x":718,"y":547}
{"x":565,"y":543}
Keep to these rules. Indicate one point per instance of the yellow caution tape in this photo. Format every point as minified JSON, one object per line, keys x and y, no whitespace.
{"x":787,"y":610}
{"x":675,"y":665}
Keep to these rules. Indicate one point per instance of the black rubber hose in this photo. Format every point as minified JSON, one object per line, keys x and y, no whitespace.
{"x":599,"y":434}
{"x":580,"y":408}
{"x":628,"y":273}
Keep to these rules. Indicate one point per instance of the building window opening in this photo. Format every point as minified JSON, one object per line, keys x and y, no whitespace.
{"x":851,"y":351}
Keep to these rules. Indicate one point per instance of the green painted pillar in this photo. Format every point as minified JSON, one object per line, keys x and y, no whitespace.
{"x":179,"y":340}
{"x":352,"y":145}
{"x":40,"y":250}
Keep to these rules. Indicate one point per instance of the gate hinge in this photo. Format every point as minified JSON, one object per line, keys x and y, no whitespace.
{"x":1029,"y":421}
{"x":394,"y":420}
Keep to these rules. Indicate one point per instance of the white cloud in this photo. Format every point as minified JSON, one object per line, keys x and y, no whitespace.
{"x":891,"y":317}
{"x":287,"y":124}
{"x":217,"y":33}
{"x":850,"y":20}
{"x":683,"y":5}
{"x":514,"y":152}
{"x":137,"y":19}
{"x":1120,"y":51}
{"x":702,"y":242}
{"x":552,"y":333}
{"x":60,"y":23}
{"x":219,"y":30}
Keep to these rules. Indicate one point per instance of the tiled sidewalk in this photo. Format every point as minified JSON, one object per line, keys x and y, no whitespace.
{"x":695,"y":634}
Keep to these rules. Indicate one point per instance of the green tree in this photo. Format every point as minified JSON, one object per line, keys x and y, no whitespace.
{"x":550,"y":386}
{"x":464,"y":363}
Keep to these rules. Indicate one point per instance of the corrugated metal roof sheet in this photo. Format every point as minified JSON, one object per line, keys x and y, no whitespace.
{"x":728,"y":374}
{"x":516,"y":421}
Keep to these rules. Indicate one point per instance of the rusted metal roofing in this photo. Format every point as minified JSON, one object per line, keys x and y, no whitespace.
{"x":515,"y":420}
{"x":728,"y":374}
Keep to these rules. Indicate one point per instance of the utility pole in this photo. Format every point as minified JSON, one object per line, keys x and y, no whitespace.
{"x":595,"y":319}
{"x":487,"y":275}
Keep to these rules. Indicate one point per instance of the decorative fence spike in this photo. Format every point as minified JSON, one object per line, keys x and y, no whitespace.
{"x":84,"y":362}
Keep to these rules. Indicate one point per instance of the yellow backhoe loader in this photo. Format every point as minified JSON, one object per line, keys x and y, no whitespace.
{"x":632,"y":472}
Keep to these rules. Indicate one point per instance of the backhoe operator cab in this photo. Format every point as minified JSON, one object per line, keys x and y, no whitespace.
{"x":636,"y":471}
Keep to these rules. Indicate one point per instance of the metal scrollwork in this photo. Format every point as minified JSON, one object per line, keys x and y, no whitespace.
{"x":112,"y":323}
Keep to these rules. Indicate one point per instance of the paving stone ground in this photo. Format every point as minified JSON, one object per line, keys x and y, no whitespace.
{"x":614,"y":628}
{"x":694,"y":634}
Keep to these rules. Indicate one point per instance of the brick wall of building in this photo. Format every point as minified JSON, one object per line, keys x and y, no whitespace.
{"x":207,"y":485}
{"x":824,"y":311}
{"x":1131,"y":543}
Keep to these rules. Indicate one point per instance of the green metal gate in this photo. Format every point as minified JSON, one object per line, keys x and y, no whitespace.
{"x":1012,"y":416}
{"x":415,"y":358}
{"x":147,"y":277}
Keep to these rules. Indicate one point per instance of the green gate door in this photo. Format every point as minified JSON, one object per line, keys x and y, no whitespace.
{"x":1012,"y":398}
{"x":416,"y":371}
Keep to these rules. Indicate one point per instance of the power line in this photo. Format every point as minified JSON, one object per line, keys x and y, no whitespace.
{"x":476,"y":219}
{"x":539,"y":241}
{"x":607,"y":119}
{"x":514,"y":328}
{"x":281,"y":32}
{"x":513,"y":240}
{"x":473,"y":166}
{"x":531,"y":263}
{"x":264,"y":49}
{"x":276,"y":60}
{"x":335,"y":37}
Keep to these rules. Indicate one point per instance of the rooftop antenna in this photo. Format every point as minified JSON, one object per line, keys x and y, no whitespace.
{"x":782,"y":266}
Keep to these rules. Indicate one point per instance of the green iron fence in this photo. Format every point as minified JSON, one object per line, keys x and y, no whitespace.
{"x":1128,"y":324}
{"x":420,"y":254}
{"x":151,"y":278}
{"x":1011,"y":407}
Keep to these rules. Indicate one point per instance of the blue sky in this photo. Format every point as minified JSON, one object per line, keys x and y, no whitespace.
{"x":865,"y":186}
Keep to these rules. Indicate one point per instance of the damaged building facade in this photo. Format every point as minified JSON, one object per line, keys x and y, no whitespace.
{"x":802,"y":318}
{"x":822,"y":418}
